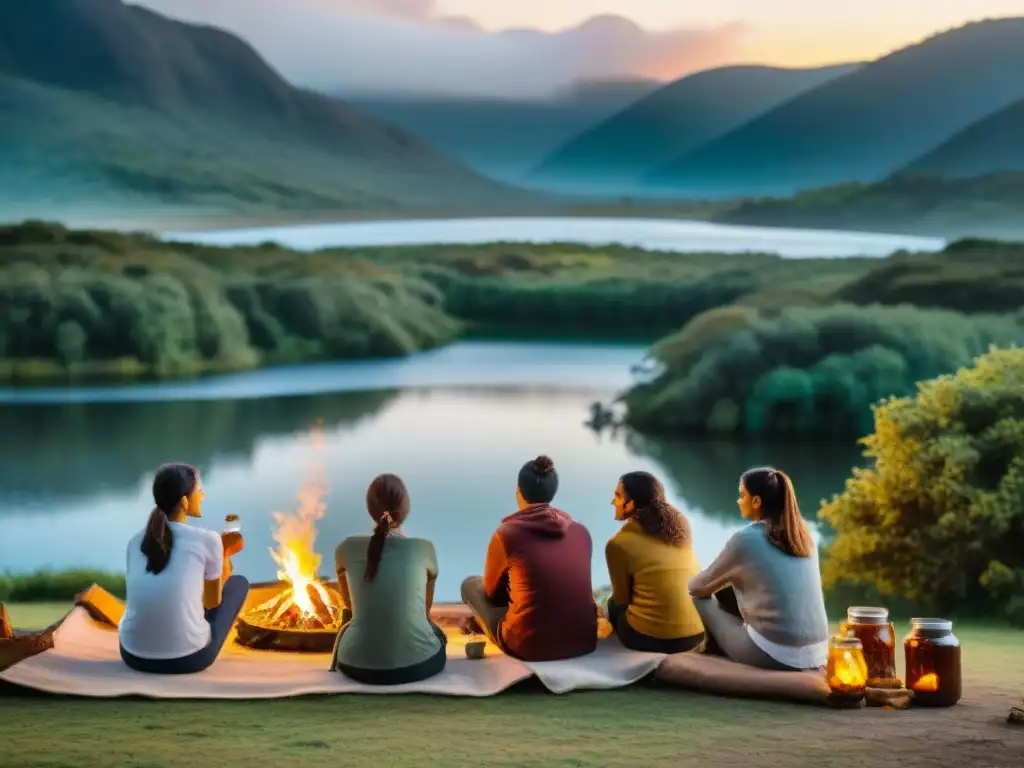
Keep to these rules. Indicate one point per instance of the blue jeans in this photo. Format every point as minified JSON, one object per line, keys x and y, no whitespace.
{"x":221,"y":620}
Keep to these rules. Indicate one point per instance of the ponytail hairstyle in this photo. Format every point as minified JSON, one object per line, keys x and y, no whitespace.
{"x":652,"y":511}
{"x":172,"y":483}
{"x":780,"y":513}
{"x":387,"y":501}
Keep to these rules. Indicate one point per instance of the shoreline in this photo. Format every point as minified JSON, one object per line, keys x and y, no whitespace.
{"x":163,"y":220}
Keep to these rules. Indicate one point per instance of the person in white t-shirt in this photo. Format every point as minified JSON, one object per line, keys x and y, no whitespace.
{"x":182,"y":600}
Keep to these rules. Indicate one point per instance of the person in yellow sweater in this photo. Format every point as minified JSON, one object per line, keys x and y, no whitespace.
{"x":651,"y":562}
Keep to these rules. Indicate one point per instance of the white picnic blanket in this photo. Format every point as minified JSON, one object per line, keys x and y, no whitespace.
{"x":85,"y":661}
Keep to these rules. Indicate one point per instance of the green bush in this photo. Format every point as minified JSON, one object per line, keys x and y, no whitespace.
{"x":90,"y":304}
{"x":802,"y":371}
{"x":81,"y":304}
{"x":57,"y":586}
{"x":939,"y":518}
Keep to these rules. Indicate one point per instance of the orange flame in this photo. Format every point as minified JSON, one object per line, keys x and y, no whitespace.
{"x":297,"y":560}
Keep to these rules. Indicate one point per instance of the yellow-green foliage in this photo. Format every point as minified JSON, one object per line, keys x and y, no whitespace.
{"x":804,"y":370}
{"x":99,"y":303}
{"x":940,"y":515}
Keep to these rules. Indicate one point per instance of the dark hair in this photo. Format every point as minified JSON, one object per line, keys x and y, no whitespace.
{"x":654,"y":514}
{"x":172,"y":482}
{"x":786,"y":528}
{"x":538,"y":481}
{"x":387,"y":501}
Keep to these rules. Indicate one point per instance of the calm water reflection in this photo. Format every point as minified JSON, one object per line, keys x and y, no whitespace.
{"x":74,"y":478}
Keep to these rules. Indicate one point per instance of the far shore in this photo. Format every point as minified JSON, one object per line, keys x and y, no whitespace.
{"x":164,"y":219}
{"x":169,"y":219}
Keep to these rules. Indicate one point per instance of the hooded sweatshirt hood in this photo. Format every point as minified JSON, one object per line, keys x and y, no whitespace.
{"x":541,"y":520}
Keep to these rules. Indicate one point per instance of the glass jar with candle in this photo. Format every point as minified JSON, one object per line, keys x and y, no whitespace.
{"x":877,"y":636}
{"x":933,"y":663}
{"x":847,"y":670}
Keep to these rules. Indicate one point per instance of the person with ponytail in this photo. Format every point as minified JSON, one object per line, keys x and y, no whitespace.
{"x":770,"y":571}
{"x":535,"y":600}
{"x":650,"y":562}
{"x":387,"y":582}
{"x":182,"y":600}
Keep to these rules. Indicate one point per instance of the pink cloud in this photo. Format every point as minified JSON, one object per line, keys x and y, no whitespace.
{"x":351,"y":46}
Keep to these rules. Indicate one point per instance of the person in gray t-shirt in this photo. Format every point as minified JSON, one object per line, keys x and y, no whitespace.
{"x":772,"y":569}
{"x":387,"y":581}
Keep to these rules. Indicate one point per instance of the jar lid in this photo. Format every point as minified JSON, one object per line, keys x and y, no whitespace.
{"x":932,"y":625}
{"x":867,"y":615}
{"x":848,"y":642}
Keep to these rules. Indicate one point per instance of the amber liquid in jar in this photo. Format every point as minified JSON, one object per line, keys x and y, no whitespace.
{"x":933,"y":663}
{"x":877,"y":636}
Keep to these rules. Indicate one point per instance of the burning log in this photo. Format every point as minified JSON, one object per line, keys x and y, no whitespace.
{"x":324,"y":613}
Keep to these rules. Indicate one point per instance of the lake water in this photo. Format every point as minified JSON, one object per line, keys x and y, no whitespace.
{"x":652,"y":234}
{"x":456,"y":424}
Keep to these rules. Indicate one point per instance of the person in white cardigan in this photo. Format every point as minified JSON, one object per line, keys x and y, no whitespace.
{"x":771,"y":568}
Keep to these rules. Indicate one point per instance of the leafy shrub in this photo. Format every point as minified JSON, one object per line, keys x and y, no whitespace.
{"x":83,"y":303}
{"x":57,"y":586}
{"x":804,"y":370}
{"x":938,"y":519}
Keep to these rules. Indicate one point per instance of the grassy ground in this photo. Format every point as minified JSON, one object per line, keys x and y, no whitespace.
{"x":642,"y":725}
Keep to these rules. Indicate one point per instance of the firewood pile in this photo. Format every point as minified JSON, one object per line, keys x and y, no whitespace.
{"x":15,"y":647}
{"x":280,"y":624}
{"x":281,"y":611}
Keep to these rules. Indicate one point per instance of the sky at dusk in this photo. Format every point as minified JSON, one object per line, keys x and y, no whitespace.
{"x":793,"y":32}
{"x":533,"y":48}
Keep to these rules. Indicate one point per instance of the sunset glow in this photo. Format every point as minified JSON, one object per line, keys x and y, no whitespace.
{"x":787,"y":32}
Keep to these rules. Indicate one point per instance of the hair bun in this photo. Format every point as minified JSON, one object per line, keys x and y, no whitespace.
{"x":543,"y":465}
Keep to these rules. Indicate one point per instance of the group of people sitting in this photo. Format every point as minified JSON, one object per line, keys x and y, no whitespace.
{"x":759,"y":603}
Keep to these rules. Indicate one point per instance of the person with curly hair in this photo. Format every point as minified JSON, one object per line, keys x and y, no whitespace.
{"x":650,"y":562}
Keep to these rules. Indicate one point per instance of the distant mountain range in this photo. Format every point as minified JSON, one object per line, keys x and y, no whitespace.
{"x":112,"y":105}
{"x":505,"y":138}
{"x":612,"y":156}
{"x":113,"y":101}
{"x":991,"y":145}
{"x":864,"y":125}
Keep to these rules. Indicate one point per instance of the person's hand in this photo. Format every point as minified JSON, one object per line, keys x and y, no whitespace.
{"x":228,"y":569}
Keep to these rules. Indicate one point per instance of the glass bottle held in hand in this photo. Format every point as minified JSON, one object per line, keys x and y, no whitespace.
{"x":231,"y":535}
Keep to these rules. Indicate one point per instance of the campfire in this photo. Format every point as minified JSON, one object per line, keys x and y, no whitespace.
{"x":301,"y":613}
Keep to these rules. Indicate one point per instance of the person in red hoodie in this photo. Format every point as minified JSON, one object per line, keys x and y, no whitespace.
{"x":535,"y":600}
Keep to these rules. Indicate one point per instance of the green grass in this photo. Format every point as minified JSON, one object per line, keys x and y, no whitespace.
{"x":642,"y":725}
{"x":36,"y":615}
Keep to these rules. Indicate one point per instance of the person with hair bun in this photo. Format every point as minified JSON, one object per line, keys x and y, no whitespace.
{"x":770,"y":571}
{"x":182,"y":600}
{"x":535,"y":599}
{"x":387,"y":580}
{"x":650,"y":562}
